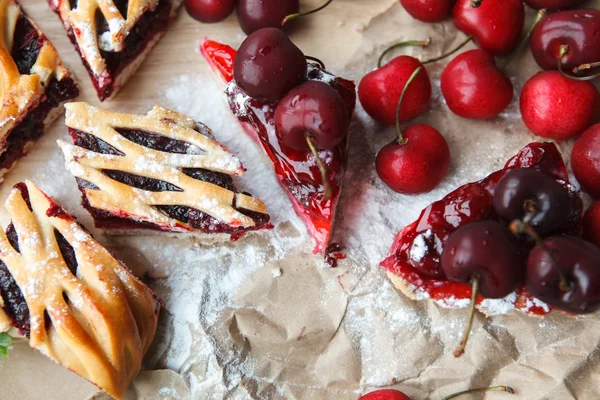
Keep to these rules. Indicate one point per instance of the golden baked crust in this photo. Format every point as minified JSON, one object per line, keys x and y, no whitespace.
{"x":103,"y":319}
{"x":118,"y":198}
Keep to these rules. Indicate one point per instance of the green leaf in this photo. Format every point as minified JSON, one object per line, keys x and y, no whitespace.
{"x":3,"y":353}
{"x":5,"y":339}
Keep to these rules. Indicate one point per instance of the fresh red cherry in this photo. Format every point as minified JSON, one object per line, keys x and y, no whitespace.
{"x":379,"y":91}
{"x":564,"y":271}
{"x":268,"y":65}
{"x":314,"y":110}
{"x":556,"y":107}
{"x":585,"y":160}
{"x":532,"y":197}
{"x":552,"y":5}
{"x":591,"y":224}
{"x":429,"y":10}
{"x":474,"y":87}
{"x":209,"y":10}
{"x":496,"y":25}
{"x":416,"y":161}
{"x":258,"y":14}
{"x":577,"y":29}
{"x":384,"y":394}
{"x":486,"y":255}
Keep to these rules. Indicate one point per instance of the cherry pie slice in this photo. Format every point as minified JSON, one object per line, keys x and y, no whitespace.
{"x":34,"y":83}
{"x":113,"y":37}
{"x":297,"y":171}
{"x":160,"y":172}
{"x":414,"y":261}
{"x":69,"y":296}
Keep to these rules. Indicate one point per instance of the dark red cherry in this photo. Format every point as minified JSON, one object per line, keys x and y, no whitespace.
{"x":429,"y":10}
{"x":591,"y":224}
{"x":258,"y":14}
{"x":556,"y":107}
{"x":486,"y":251}
{"x":528,"y":195}
{"x":268,"y":65}
{"x":209,"y":10}
{"x":578,"y":29}
{"x":496,"y":25}
{"x":585,"y":160}
{"x":474,"y":87}
{"x":379,"y":91}
{"x":315,"y":110}
{"x":552,"y":5}
{"x":564,"y":271}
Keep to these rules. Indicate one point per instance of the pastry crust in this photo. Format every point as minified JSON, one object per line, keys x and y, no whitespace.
{"x":119,"y":198}
{"x":102,"y":318}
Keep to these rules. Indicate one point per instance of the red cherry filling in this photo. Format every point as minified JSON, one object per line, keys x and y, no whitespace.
{"x":296,"y":170}
{"x":415,"y":254}
{"x":195,"y":218}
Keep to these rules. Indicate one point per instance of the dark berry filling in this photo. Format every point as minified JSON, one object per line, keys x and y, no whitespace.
{"x":193,"y":217}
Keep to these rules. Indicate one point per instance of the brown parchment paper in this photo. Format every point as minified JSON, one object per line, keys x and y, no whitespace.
{"x":252,"y":321}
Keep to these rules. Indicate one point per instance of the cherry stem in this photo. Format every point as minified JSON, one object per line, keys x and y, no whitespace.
{"x":460,"y":46}
{"x":326,"y":184}
{"x":584,"y":67}
{"x":460,"y":350}
{"x":564,"y":50}
{"x":315,"y":59}
{"x":506,"y":389}
{"x":476,"y":3}
{"x":298,"y":15}
{"x":525,"y":39}
{"x":421,"y":43}
{"x":401,"y":138}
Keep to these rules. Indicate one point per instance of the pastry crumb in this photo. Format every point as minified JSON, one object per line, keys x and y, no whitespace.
{"x":276,"y":272}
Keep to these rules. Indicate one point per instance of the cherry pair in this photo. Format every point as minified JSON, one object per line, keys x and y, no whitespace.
{"x":390,"y":394}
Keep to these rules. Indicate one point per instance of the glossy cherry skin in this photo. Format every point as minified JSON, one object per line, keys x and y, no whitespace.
{"x":591,"y":224}
{"x":578,"y":29}
{"x":379,"y":91}
{"x":258,"y":14}
{"x":487,"y":251}
{"x":496,"y":25}
{"x":429,"y":10}
{"x":209,"y":10}
{"x":417,"y":166}
{"x":268,"y":65}
{"x":314,"y":109}
{"x":474,"y":87}
{"x":384,"y":394}
{"x":585,"y":160}
{"x":556,"y":107}
{"x":522,"y":188}
{"x":552,"y":5}
{"x":578,"y":261}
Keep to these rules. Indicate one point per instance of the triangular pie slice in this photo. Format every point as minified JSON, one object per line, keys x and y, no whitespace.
{"x":69,"y":296}
{"x":113,"y":37}
{"x":414,"y":261}
{"x":297,"y":171}
{"x":161,"y":172}
{"x":33,"y":83}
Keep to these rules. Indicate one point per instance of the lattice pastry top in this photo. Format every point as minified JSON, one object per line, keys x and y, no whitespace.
{"x":86,"y":310}
{"x":84,"y":25}
{"x":22,"y":86}
{"x":134,"y":159}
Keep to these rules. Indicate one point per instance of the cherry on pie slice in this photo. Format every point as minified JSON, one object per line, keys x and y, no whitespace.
{"x":414,"y":261}
{"x":113,"y":37}
{"x":159,"y":172}
{"x":297,"y":171}
{"x":34,"y":83}
{"x":69,"y":296}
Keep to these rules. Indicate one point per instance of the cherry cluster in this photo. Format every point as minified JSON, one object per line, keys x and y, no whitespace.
{"x":253,"y":15}
{"x":557,"y":103}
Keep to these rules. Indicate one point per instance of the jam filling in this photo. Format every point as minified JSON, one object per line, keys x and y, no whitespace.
{"x":415,"y":254}
{"x":187,"y":215}
{"x":296,"y":170}
{"x":25,"y":50}
{"x":15,"y":305}
{"x":151,"y":23}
